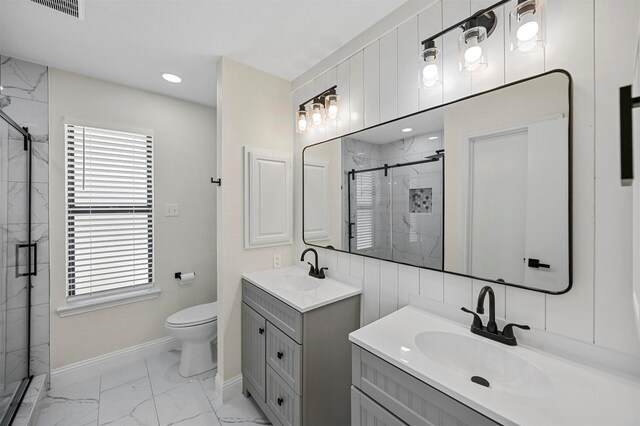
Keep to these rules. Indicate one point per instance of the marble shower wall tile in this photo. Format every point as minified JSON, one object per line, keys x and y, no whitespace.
{"x":17,"y":329}
{"x":17,"y":203}
{"x":40,"y":359}
{"x":17,"y":162}
{"x":23,"y":79}
{"x":27,"y":113}
{"x":17,"y":287}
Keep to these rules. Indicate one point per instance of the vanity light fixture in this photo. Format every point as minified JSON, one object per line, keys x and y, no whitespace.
{"x":171,"y":78}
{"x":407,"y":130}
{"x":431,"y":64}
{"x":324,"y":106}
{"x":526,"y":24}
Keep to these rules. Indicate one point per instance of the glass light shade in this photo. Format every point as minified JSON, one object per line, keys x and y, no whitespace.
{"x":302,"y":121}
{"x":332,"y":107}
{"x":317,"y":115}
{"x":526,"y":25}
{"x":431,"y":65}
{"x":472,"y":55}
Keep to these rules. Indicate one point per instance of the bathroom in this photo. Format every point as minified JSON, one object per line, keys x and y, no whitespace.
{"x":281,"y":225}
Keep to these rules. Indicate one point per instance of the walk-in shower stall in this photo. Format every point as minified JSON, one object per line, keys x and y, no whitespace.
{"x":18,"y":260}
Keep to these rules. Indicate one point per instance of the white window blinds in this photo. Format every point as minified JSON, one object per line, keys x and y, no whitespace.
{"x":365,"y":198}
{"x":109,"y":210}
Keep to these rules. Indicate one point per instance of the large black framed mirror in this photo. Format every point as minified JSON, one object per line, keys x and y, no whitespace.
{"x":478,"y":187}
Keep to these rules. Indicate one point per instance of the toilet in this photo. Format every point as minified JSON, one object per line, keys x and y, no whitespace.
{"x":196,"y":327}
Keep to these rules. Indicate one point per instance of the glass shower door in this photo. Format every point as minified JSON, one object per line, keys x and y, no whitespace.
{"x":16,"y":258}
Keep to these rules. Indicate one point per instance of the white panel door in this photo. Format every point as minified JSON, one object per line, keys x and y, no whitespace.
{"x":356,"y":91}
{"x":317,"y":200}
{"x":408,"y":64}
{"x":268,"y":198}
{"x":497,"y":207}
{"x":547,"y":207}
{"x":389,"y":76}
{"x":372,"y":84}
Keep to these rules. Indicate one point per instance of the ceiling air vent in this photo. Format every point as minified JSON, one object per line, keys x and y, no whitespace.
{"x":73,"y":8}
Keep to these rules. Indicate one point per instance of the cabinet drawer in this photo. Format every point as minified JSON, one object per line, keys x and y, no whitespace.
{"x":409,"y":399}
{"x":365,"y":412}
{"x":282,"y":400}
{"x":284,"y":355}
{"x":275,"y":311}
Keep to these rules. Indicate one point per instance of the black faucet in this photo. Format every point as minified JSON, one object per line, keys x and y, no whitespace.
{"x":491,"y":331}
{"x":314,"y":271}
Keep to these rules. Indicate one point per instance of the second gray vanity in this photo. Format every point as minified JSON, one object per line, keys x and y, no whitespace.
{"x":296,"y":355}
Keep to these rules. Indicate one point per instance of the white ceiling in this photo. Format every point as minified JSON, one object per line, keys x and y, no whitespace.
{"x":421,"y":124}
{"x":131,"y":42}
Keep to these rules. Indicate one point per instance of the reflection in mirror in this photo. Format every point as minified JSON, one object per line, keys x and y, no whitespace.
{"x":498,"y":165}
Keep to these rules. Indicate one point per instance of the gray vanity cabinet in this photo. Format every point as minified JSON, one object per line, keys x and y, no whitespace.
{"x":383,"y":394}
{"x":295,"y":365}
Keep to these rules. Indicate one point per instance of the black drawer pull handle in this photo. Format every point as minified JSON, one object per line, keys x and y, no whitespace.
{"x":280,"y":355}
{"x":535,"y":263}
{"x":280,"y":401}
{"x":261,"y":330}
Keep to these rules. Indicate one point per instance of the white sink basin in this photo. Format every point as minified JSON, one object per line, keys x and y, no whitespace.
{"x":500,"y":366}
{"x":296,"y":283}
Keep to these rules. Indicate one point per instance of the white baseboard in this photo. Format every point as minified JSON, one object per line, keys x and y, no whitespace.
{"x":83,"y":370}
{"x":229,"y":389}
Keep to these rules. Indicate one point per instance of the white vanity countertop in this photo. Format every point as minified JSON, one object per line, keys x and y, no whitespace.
{"x":327,"y":291}
{"x":577,"y":395}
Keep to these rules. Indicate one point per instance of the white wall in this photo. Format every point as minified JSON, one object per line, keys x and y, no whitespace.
{"x":253,"y":110}
{"x":184,"y":155}
{"x":593,"y":40}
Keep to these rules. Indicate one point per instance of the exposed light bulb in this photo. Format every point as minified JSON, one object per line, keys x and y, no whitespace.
{"x":430,"y":75}
{"x":332,"y":111}
{"x":302,"y":124}
{"x":316,"y":118}
{"x":527,"y":31}
{"x":473,"y":53}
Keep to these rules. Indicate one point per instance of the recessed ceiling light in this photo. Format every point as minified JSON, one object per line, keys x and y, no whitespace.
{"x":432,"y":138}
{"x":171,"y":78}
{"x":407,"y":130}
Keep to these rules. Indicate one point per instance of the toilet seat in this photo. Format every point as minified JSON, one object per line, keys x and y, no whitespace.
{"x":195,"y":315}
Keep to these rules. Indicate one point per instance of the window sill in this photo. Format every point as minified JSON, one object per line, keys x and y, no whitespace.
{"x":103,"y":302}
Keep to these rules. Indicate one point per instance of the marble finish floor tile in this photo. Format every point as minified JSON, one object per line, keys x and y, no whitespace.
{"x":123,"y":374}
{"x":148,"y":392}
{"x":128,"y":404}
{"x":72,"y":405}
{"x":183,"y":403}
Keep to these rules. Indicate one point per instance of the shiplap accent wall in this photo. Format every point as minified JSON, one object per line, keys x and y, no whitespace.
{"x":380,"y":82}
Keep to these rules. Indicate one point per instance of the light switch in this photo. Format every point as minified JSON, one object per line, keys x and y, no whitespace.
{"x":171,"y":210}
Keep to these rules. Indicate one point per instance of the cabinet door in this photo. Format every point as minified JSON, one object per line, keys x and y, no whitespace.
{"x":253,"y":350}
{"x":365,"y":411}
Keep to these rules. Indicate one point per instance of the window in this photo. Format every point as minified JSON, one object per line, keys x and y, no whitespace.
{"x":365,"y":197}
{"x":109,"y":210}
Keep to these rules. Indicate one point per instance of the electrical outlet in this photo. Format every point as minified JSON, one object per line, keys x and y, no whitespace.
{"x":277,"y":260}
{"x":171,"y":210}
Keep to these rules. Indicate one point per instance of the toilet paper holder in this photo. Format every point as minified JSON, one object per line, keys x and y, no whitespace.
{"x":178,"y":275}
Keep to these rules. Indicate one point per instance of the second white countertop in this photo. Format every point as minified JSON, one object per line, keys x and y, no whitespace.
{"x":327,"y":291}
{"x":578,"y":394}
